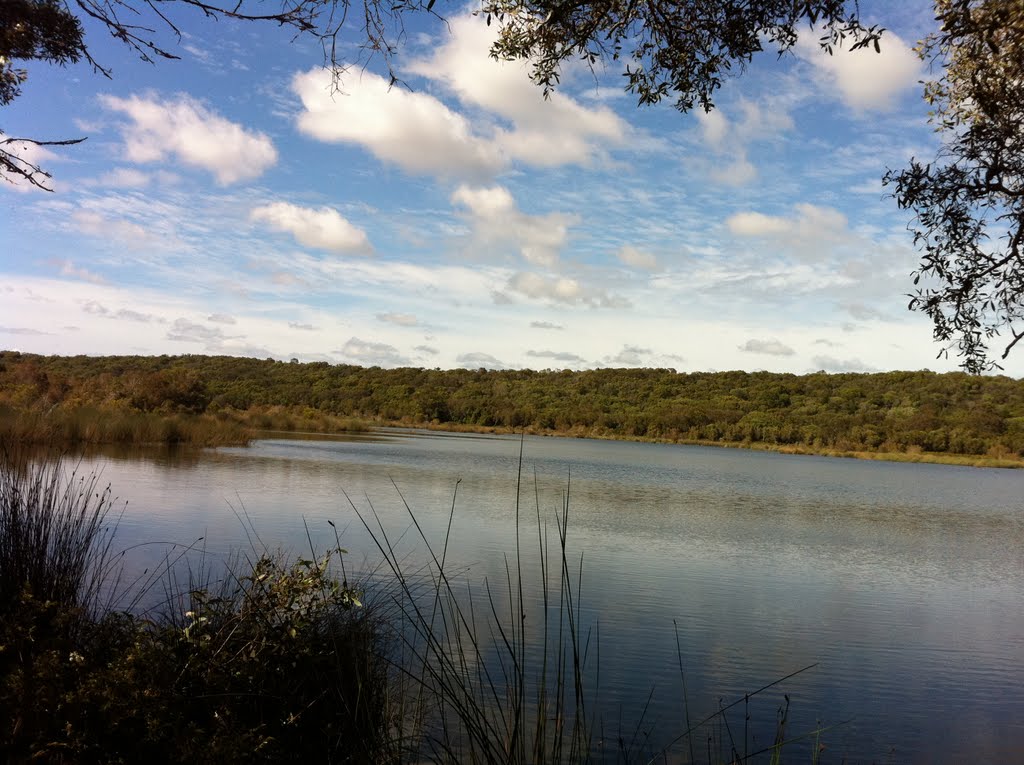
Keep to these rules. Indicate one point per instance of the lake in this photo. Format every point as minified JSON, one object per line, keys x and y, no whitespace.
{"x":903,"y":583}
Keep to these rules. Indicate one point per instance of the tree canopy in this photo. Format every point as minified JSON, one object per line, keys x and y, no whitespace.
{"x":967,"y":202}
{"x":950,"y":413}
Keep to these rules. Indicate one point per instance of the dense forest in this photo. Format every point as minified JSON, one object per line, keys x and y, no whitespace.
{"x":950,"y":413}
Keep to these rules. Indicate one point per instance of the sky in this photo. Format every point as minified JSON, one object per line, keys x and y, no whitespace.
{"x":231,"y":203}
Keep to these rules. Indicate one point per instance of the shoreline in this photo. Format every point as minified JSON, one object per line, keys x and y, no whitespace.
{"x":932,"y":458}
{"x":240,"y":428}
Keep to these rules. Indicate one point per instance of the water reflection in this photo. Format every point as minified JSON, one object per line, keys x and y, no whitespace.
{"x":904,"y":582}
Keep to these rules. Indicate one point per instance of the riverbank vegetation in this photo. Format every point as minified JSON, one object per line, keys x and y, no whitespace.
{"x":270,"y":659}
{"x":922,"y":416}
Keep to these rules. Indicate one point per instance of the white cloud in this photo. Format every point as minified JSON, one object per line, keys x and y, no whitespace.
{"x":96,"y":224}
{"x":546,"y":325}
{"x":124,"y":314}
{"x":189,"y":332}
{"x":770,"y":347}
{"x":323,"y":228}
{"x":806,"y":234}
{"x":184,"y":128}
{"x":221,"y":318}
{"x":630,"y":356}
{"x":714,"y":128}
{"x":124,"y":178}
{"x":497,"y":220}
{"x":400,"y":319}
{"x":480,"y":360}
{"x":728,"y":140}
{"x":631,"y":256}
{"x":861,"y":311}
{"x":371,"y":353}
{"x":413,"y":130}
{"x":757,"y":224}
{"x":563,"y":356}
{"x":301,"y":326}
{"x":28,"y":331}
{"x":68,"y":268}
{"x":864,"y":79}
{"x":561,"y":289}
{"x":832,"y":364}
{"x":544,"y":132}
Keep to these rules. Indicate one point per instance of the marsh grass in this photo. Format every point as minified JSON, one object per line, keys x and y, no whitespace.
{"x":56,"y":532}
{"x":91,"y":425}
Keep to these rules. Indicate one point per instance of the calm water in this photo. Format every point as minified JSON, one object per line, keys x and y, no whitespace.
{"x":905,"y":583}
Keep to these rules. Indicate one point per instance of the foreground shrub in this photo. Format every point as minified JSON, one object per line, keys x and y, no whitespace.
{"x":273,"y":662}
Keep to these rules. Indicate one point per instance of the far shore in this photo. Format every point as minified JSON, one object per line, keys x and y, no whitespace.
{"x":938,"y":458}
{"x":96,"y":426}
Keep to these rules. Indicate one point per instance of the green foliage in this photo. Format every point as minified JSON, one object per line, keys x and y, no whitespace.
{"x":678,"y":50}
{"x":43,"y":30}
{"x":277,"y":662}
{"x":951,"y":413}
{"x":968,"y":203}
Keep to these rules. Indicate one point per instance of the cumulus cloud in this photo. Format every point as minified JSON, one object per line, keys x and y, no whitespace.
{"x":561,"y":289}
{"x":496,"y":220}
{"x":542,"y":132}
{"x":415,"y":131}
{"x":546,"y":325}
{"x":804,"y":234}
{"x":565,"y":356}
{"x":400,"y":319}
{"x":630,"y":356}
{"x":831,"y":364}
{"x":322,"y":228}
{"x":864,"y":79}
{"x":185,"y":129}
{"x":421,"y":134}
{"x":186,"y":331}
{"x":478,"y":360}
{"x":631,"y":256}
{"x":371,"y":353}
{"x":770,"y":347}
{"x":728,"y":139}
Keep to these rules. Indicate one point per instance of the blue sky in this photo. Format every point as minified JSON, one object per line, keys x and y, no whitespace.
{"x":230,"y":203}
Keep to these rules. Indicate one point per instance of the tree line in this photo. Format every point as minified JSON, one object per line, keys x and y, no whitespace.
{"x":951,"y":413}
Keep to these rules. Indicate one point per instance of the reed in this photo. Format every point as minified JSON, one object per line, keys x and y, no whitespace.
{"x":488,"y":681}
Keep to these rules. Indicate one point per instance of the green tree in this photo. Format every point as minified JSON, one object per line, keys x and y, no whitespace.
{"x":681,"y":50}
{"x":968,"y":203}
